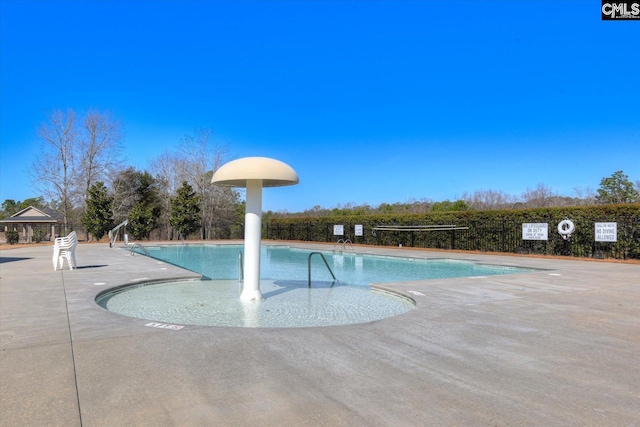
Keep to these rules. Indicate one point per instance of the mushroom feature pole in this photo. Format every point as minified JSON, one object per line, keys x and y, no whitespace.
{"x":254,"y":173}
{"x":252,"y":241}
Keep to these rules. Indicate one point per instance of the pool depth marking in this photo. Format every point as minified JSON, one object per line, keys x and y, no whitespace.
{"x":416,"y":293}
{"x":164,"y":326}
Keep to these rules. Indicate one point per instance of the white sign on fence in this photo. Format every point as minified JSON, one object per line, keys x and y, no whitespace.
{"x":535,"y":231}
{"x":606,"y":231}
{"x":358,"y":230}
{"x":338,"y":230}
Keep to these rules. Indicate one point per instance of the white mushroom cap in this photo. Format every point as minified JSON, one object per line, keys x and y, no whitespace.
{"x":273,"y":173}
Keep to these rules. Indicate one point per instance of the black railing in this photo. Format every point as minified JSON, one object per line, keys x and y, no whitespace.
{"x":490,"y":235}
{"x":485,"y":236}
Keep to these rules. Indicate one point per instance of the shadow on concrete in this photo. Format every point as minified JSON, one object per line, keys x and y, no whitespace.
{"x":11,"y":259}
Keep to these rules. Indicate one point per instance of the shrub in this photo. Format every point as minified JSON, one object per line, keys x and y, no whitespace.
{"x":12,"y":237}
{"x":39,"y":235}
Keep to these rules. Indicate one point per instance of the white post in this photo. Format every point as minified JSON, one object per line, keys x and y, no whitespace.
{"x":252,"y":237}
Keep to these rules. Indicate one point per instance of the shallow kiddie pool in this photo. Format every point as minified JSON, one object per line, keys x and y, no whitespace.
{"x":288,"y":301}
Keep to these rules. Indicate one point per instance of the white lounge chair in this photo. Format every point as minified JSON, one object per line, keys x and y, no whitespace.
{"x":65,"y":247}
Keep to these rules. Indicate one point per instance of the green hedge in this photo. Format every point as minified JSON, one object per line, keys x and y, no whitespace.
{"x":495,"y":231}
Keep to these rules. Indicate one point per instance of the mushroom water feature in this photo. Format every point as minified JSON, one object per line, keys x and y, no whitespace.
{"x":254,"y":173}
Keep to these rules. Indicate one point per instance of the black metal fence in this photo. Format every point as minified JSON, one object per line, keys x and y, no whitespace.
{"x":488,"y":236}
{"x":481,"y":233}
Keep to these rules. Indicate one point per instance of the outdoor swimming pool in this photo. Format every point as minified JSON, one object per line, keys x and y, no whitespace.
{"x":287,"y":263}
{"x":289,"y":301}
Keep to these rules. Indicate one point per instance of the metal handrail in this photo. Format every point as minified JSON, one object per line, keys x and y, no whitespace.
{"x":240,"y":273}
{"x":344,"y":244}
{"x":325,"y":263}
{"x":113,"y":233}
{"x":135,"y":245}
{"x":446,"y":227}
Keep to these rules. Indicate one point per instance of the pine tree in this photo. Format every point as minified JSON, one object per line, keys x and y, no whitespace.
{"x":143,"y":218}
{"x":142,"y":221}
{"x":185,"y":210}
{"x":617,"y":189}
{"x":98,"y":216}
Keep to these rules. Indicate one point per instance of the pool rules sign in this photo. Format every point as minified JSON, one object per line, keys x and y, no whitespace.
{"x":606,"y":231}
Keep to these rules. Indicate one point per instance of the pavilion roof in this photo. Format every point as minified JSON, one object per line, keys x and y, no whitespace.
{"x":32,"y":215}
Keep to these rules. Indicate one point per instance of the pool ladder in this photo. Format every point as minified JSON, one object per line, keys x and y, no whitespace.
{"x":325,"y":263}
{"x":133,"y":246}
{"x":241,"y":273}
{"x":344,"y":244}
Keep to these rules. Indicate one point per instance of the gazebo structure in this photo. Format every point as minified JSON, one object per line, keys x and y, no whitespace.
{"x":27,"y":220}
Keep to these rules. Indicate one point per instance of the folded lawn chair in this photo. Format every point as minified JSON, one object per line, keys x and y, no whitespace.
{"x":65,"y":247}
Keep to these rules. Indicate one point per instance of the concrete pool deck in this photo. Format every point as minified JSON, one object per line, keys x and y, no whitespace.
{"x":555,"y":346}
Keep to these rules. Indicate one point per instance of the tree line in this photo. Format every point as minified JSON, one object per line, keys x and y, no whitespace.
{"x":615,"y":189}
{"x":83,"y":177}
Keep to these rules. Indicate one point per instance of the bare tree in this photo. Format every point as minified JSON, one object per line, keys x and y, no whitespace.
{"x":420,"y":206}
{"x":99,"y":148}
{"x":538,"y":197}
{"x":169,"y":172}
{"x":489,"y":200}
{"x":200,"y":158}
{"x":74,"y":156}
{"x":54,"y":170}
{"x":123,"y":188}
{"x":195,"y":161}
{"x":99,"y":151}
{"x":586,"y":196}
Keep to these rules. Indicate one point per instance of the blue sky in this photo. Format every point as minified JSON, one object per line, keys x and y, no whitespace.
{"x":369,"y":101}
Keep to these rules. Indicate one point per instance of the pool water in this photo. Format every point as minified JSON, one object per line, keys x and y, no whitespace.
{"x":285,"y":263}
{"x":288,"y":301}
{"x":285,"y":304}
